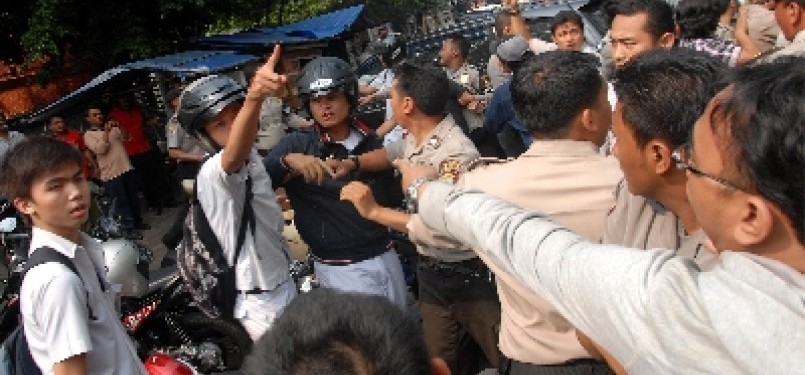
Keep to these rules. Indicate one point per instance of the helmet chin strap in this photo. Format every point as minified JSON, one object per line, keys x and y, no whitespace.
{"x":207,"y":144}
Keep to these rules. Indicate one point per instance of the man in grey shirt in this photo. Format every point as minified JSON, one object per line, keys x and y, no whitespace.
{"x":656,"y":312}
{"x":8,"y":138}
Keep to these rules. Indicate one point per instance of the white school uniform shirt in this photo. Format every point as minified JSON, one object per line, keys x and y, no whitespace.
{"x":58,"y":326}
{"x":263,"y":262}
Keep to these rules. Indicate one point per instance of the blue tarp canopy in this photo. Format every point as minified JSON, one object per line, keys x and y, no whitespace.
{"x":326,"y":26}
{"x":183,"y":64}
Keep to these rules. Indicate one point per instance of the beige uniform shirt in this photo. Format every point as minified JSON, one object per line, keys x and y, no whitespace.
{"x":573,"y":183}
{"x":470,"y":79}
{"x":644,"y":224}
{"x":795,"y":48}
{"x":111,"y":156}
{"x":446,"y":142}
{"x":762,"y":26}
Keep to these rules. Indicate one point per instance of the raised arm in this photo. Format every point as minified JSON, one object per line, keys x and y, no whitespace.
{"x":266,"y":82}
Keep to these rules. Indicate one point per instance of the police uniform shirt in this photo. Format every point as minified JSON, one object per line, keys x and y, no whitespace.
{"x":795,"y":48}
{"x":571,"y":182}
{"x":177,"y":138}
{"x":761,"y":26}
{"x":641,"y":223}
{"x":469,"y":78}
{"x":446,"y":142}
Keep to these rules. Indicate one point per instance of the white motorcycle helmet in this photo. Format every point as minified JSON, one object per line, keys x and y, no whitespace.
{"x":121,"y":258}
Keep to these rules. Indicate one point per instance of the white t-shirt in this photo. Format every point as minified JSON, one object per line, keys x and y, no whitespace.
{"x":53,"y":303}
{"x":263,"y":261}
{"x":384,"y":80}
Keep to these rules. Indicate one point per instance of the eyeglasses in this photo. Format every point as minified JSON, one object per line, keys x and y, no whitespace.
{"x":682,"y":157}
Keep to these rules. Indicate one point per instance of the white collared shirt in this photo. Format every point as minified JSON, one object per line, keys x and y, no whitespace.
{"x":262,"y":263}
{"x":54,"y":301}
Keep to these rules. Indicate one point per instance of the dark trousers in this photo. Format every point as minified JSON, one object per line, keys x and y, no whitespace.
{"x":509,"y":366}
{"x":123,"y":191}
{"x":511,"y":142}
{"x":152,"y":178}
{"x":460,"y":315}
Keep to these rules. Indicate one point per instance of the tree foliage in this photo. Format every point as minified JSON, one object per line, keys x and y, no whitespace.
{"x":95,"y":35}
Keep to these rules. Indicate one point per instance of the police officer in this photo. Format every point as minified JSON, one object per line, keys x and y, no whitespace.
{"x":457,"y":297}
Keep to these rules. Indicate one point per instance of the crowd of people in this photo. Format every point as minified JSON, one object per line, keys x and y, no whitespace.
{"x":644,"y":218}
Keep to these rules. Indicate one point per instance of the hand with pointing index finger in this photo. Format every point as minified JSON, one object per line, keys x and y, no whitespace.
{"x":266,"y":81}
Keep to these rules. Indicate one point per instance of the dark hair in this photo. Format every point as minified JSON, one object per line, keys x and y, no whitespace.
{"x":564,"y":17}
{"x":331,"y":332}
{"x":697,"y":18}
{"x":800,"y":2}
{"x":660,"y":15}
{"x":427,"y":85}
{"x":502,"y":20}
{"x":763,"y":115}
{"x":552,"y":87}
{"x":462,"y":43}
{"x":663,"y":92}
{"x":95,"y":105}
{"x":31,"y":159}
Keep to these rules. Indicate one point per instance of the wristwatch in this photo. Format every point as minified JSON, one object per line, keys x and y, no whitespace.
{"x":412,"y":192}
{"x":354,"y":159}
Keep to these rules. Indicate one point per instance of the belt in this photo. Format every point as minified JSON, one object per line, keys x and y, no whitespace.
{"x":331,"y":262}
{"x":252,"y":291}
{"x":469,"y":268}
{"x":582,"y":366}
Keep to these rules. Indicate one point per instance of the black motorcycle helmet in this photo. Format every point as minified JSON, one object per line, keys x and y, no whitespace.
{"x":201,"y":100}
{"x":325,"y":75}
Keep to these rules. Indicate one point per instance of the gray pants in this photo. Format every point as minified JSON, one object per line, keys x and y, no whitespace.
{"x":381,"y":275}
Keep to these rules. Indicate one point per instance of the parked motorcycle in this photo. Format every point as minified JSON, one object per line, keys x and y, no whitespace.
{"x":168,"y":332}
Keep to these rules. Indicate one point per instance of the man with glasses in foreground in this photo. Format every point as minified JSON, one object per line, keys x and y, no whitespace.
{"x":657,"y":312}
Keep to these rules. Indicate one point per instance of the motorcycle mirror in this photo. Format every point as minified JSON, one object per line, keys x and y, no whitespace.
{"x":8,"y":225}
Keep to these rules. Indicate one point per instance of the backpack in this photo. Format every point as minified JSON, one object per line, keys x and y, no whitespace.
{"x":15,"y":356}
{"x":206,"y":272}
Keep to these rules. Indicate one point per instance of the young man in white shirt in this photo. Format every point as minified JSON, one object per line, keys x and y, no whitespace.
{"x":69,"y":319}
{"x":222,"y":116}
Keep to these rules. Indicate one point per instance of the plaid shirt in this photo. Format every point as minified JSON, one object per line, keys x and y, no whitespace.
{"x":724,"y":50}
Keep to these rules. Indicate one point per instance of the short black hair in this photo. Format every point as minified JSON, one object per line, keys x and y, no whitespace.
{"x":764,"y":117}
{"x":663,"y":92}
{"x":564,"y":17}
{"x":462,"y":43}
{"x":697,"y":18}
{"x":659,"y":13}
{"x":332,"y":332}
{"x":427,"y":85}
{"x":552,"y":87}
{"x":31,"y":159}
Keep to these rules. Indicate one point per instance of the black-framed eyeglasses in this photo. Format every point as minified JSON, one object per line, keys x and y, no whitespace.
{"x":682,"y":158}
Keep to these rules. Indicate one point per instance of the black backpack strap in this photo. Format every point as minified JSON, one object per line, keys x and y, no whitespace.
{"x":206,"y":233}
{"x":47,"y":254}
{"x":247,"y":219}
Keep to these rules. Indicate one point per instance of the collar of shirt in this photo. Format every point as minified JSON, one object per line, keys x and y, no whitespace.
{"x":561,"y":147}
{"x":435,"y":138}
{"x":455,"y":73}
{"x":356,"y":124}
{"x":41,"y":237}
{"x":799,"y":38}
